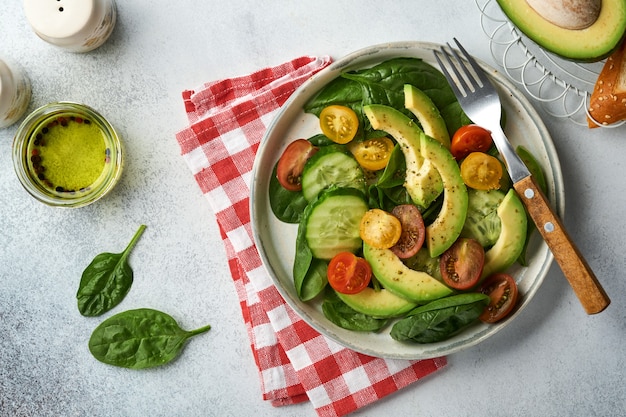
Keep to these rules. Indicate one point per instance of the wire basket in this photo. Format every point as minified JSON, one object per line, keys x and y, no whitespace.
{"x":561,"y":87}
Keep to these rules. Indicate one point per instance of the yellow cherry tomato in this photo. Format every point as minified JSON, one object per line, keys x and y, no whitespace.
{"x":339,"y":123}
{"x":372,"y":154}
{"x":481,"y":171}
{"x":380,"y":229}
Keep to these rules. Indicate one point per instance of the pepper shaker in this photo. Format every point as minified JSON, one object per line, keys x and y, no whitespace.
{"x":75,"y":25}
{"x":15,"y":93}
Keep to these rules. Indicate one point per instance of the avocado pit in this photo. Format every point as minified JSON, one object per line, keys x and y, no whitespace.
{"x":568,"y":14}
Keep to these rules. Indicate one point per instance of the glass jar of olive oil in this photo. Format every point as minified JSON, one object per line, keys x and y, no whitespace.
{"x":66,"y":154}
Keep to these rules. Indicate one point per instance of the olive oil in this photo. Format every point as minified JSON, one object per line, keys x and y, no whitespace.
{"x":68,"y":154}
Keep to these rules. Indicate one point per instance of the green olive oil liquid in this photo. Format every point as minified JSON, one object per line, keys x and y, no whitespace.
{"x":68,"y":154}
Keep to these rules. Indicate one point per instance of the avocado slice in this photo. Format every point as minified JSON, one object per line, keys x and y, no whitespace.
{"x":418,"y":103}
{"x":422,"y":182}
{"x":430,"y":168}
{"x":447,"y":227}
{"x":592,"y":43}
{"x":399,"y":279}
{"x":379,"y":304}
{"x":510,"y":243}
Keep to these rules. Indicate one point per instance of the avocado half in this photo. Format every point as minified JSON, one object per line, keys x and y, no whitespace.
{"x":590,"y":44}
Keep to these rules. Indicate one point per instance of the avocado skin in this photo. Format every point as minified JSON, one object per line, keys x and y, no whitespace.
{"x":584,"y":45}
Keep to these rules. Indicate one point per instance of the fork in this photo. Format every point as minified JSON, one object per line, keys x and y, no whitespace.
{"x":479,"y":99}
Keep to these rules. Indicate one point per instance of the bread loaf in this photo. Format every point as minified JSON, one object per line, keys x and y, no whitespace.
{"x":607,"y":104}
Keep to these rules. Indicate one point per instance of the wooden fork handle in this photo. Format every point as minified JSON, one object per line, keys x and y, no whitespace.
{"x":580,"y":276}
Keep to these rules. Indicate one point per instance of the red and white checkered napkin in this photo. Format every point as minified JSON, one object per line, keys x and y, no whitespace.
{"x":227,"y":121}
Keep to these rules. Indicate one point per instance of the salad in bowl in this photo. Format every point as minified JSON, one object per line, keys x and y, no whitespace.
{"x":386,"y":217}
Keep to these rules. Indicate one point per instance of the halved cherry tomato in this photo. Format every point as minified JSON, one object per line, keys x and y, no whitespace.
{"x":413,"y":231}
{"x":339,"y":123}
{"x":468,"y":139}
{"x":372,"y":154}
{"x":291,"y":163}
{"x":348,"y":273}
{"x":380,"y":229}
{"x":462,"y":264}
{"x":481,"y":171}
{"x":502,"y":290}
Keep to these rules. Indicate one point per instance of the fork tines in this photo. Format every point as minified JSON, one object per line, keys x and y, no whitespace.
{"x":463,"y":73}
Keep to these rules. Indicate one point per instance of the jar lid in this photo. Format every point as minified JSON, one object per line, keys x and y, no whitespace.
{"x":60,"y":19}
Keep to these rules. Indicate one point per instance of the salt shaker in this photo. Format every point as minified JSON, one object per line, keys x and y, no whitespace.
{"x":15,"y":92}
{"x":75,"y":25}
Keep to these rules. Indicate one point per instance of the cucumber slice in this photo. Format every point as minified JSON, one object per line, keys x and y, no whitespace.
{"x":482,"y":222}
{"x":331,"y":165}
{"x":332,"y":222}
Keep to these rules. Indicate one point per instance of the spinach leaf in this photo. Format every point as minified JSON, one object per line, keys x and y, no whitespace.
{"x":309,"y":274}
{"x":320,"y":140}
{"x":106,"y":280}
{"x":345,"y":317}
{"x":440,"y":319}
{"x":395,"y":171}
{"x":303,"y":259}
{"x":338,"y":91}
{"x":286,"y":205}
{"x":315,"y":280}
{"x":139,"y":339}
{"x":388,"y":190}
{"x":384,"y":84}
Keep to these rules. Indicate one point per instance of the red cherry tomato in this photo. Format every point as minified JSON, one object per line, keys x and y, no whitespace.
{"x":502,"y":290}
{"x":468,"y":139}
{"x":413,"y":231}
{"x":462,"y":264}
{"x":348,"y":273}
{"x":291,"y":164}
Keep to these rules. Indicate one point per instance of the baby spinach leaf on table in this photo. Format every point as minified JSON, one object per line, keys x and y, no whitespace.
{"x":138,"y":339}
{"x":440,"y":319}
{"x":106,"y":280}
